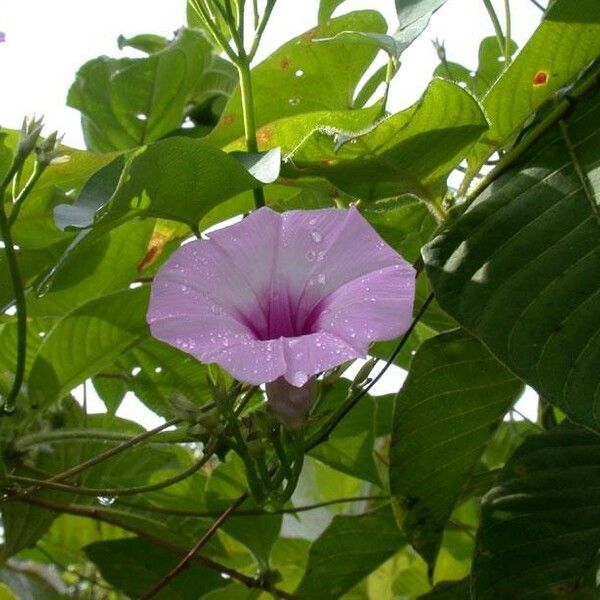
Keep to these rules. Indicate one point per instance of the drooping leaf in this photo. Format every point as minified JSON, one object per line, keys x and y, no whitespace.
{"x":134,"y":566}
{"x":539,"y":535}
{"x":347,"y":551}
{"x":410,"y":152}
{"x":303,"y":76}
{"x":179,"y":179}
{"x":454,"y":398}
{"x":327,"y":8}
{"x":519,"y":268}
{"x":129,"y":102}
{"x":567,"y":40}
{"x":86,"y":340}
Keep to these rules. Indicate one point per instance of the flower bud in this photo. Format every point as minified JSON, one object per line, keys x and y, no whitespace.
{"x":30,"y":133}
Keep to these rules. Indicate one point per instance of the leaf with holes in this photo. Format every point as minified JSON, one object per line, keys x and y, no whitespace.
{"x":303,"y":76}
{"x":129,"y":102}
{"x":520,"y":268}
{"x":567,"y":40}
{"x":454,"y":398}
{"x":539,"y":534}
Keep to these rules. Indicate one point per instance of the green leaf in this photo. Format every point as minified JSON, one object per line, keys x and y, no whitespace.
{"x":413,"y":21}
{"x":304,"y":76}
{"x":410,"y":11}
{"x":165,"y":374}
{"x":179,"y":179}
{"x":349,"y":449}
{"x":145,"y":42}
{"x":97,"y":269}
{"x":327,"y":8}
{"x":448,"y":409}
{"x":225,"y":485}
{"x":128,"y":102}
{"x":490,"y":67}
{"x":450,"y":590}
{"x":539,"y":534}
{"x":347,"y":551}
{"x":567,"y":41}
{"x":410,"y":152}
{"x":134,"y":566}
{"x":520,"y":268}
{"x":85,"y":341}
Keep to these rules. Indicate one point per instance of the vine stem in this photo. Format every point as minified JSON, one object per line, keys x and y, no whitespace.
{"x":67,"y":435}
{"x":106,"y":516}
{"x":502,"y":43}
{"x":253,"y":512}
{"x":94,"y":460}
{"x":19,"y":291}
{"x":507,"y":33}
{"x":187,"y":559}
{"x":346,"y":408}
{"x":247,"y":95}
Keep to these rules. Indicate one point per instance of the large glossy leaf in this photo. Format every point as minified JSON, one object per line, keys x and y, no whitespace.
{"x":410,"y":152}
{"x":540,"y":529}
{"x":85,"y":341}
{"x":447,"y":411}
{"x":520,"y":268}
{"x":129,"y":102}
{"x":134,"y":566}
{"x":348,"y":550}
{"x":100,"y":268}
{"x":179,"y":179}
{"x":567,"y":41}
{"x":304,"y":76}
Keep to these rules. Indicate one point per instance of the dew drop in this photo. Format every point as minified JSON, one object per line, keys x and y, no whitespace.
{"x":106,"y":500}
{"x":141,"y":117}
{"x":311,"y":255}
{"x":316,"y":236}
{"x":321,"y":256}
{"x":313,"y":221}
{"x":299,"y":73}
{"x":294,"y":101}
{"x":321,"y":278}
{"x":135,"y":371}
{"x":158,"y":370}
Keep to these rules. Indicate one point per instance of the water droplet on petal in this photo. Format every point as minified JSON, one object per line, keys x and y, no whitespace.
{"x":311,"y":255}
{"x":321,"y":278}
{"x":321,"y":256}
{"x":316,"y":236}
{"x":299,"y":377}
{"x":313,"y":221}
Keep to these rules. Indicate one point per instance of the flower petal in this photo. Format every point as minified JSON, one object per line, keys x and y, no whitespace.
{"x":253,"y":361}
{"x":377,"y":306}
{"x":323,"y":250}
{"x":308,"y":355}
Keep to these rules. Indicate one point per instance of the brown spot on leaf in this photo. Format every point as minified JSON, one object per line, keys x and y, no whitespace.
{"x":264,"y":135}
{"x":228,"y":119}
{"x":154,"y":250}
{"x":540,"y":78}
{"x":309,"y":35}
{"x":284,"y":63}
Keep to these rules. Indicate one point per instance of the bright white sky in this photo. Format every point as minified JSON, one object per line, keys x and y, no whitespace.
{"x":47,"y":41}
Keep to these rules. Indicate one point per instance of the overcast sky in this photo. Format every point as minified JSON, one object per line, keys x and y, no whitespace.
{"x":47,"y":41}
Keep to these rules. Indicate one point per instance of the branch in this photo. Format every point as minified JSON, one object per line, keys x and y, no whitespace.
{"x":187,"y":559}
{"x":105,"y":516}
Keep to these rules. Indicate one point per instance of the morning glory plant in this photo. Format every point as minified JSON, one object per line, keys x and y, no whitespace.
{"x":280,"y":298}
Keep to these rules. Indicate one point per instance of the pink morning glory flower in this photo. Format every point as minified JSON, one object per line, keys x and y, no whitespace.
{"x":282,"y":297}
{"x":2,"y":37}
